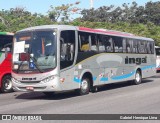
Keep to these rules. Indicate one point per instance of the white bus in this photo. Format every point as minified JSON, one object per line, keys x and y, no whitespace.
{"x":157,"y":48}
{"x":55,"y":58}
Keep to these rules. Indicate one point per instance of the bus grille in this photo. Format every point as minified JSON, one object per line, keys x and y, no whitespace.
{"x":30,"y":82}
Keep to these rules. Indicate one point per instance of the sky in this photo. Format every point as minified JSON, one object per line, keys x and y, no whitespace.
{"x":42,"y":6}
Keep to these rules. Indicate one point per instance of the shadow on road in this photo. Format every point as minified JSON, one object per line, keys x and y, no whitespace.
{"x":71,"y":94}
{"x":41,"y":96}
{"x":121,"y":85}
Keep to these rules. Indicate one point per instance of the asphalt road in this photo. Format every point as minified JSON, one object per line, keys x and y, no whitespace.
{"x":120,"y":98}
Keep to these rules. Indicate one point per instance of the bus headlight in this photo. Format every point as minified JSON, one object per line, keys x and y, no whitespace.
{"x":48,"y":79}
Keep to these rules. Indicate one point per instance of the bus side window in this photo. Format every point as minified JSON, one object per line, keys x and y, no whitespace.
{"x":129,"y":46}
{"x":84,"y":41}
{"x":94,"y":43}
{"x":67,"y":48}
{"x":108,"y":43}
{"x":101,"y":46}
{"x":118,"y":43}
{"x":152,"y":47}
{"x":135,"y":46}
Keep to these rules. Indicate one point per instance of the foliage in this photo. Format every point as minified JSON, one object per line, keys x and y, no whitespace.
{"x":63,"y":12}
{"x":147,"y":30}
{"x":126,"y":13}
{"x":18,"y":18}
{"x":139,"y":20}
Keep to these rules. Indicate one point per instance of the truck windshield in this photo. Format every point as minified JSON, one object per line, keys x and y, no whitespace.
{"x":34,"y":51}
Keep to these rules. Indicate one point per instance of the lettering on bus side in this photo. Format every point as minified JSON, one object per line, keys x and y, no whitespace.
{"x":137,"y":61}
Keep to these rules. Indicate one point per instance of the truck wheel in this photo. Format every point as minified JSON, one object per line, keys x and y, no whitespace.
{"x":6,"y":84}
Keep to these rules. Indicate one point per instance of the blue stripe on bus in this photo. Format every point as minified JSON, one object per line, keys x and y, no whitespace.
{"x":123,"y":76}
{"x":104,"y":79}
{"x":148,"y":67}
{"x":94,"y":78}
{"x":117,"y":77}
{"x":76,"y":79}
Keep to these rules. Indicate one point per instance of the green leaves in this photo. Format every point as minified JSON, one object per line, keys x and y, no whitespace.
{"x":139,"y":20}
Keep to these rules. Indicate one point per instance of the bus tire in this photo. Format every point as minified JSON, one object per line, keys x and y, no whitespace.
{"x":85,"y":86}
{"x":6,"y":84}
{"x":138,"y":78}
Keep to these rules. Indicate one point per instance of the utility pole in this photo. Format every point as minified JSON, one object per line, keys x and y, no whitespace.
{"x":91,"y":4}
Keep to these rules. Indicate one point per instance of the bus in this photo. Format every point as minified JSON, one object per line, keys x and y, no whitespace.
{"x":157,"y":48}
{"x":58,"y":58}
{"x":6,"y":39}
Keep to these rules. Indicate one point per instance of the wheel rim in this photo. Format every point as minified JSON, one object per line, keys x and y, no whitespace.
{"x":84,"y":85}
{"x":138,"y":77}
{"x":8,"y":84}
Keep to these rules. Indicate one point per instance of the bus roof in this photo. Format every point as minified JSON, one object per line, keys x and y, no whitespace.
{"x":98,"y":31}
{"x":6,"y":33}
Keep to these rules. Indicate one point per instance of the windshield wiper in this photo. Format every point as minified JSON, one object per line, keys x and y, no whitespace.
{"x":34,"y":61}
{"x":19,"y":66}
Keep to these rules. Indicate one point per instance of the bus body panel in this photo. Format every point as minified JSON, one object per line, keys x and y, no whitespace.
{"x":39,"y":82}
{"x":5,"y":56}
{"x":109,"y":69}
{"x":104,"y":67}
{"x":5,"y":65}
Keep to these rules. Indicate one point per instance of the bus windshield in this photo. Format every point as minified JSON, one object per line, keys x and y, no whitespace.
{"x":34,"y":50}
{"x":6,"y":42}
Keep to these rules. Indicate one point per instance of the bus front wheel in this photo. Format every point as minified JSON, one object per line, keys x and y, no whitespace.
{"x":6,"y":84}
{"x":138,"y":78}
{"x":85,"y":86}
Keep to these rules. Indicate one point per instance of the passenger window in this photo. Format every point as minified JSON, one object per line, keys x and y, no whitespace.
{"x":129,"y":46}
{"x":105,"y":43}
{"x":94,"y":44}
{"x":135,"y":46}
{"x":84,"y":41}
{"x":141,"y":47}
{"x":118,"y":41}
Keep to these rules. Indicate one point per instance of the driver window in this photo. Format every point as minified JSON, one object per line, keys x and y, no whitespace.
{"x":67,"y":48}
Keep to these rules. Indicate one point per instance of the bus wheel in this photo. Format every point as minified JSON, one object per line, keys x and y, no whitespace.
{"x":6,"y":84}
{"x":138,"y":78}
{"x":84,"y":87}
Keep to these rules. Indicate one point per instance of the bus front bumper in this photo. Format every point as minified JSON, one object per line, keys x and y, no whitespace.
{"x":51,"y":86}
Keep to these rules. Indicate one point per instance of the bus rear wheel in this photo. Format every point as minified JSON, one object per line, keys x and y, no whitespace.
{"x":138,"y":78}
{"x":85,"y":86}
{"x":6,"y":84}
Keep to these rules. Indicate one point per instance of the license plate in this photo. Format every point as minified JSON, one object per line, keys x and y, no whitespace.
{"x":30,"y":88}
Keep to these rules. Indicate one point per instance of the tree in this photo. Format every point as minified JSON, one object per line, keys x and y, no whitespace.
{"x":63,"y":12}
